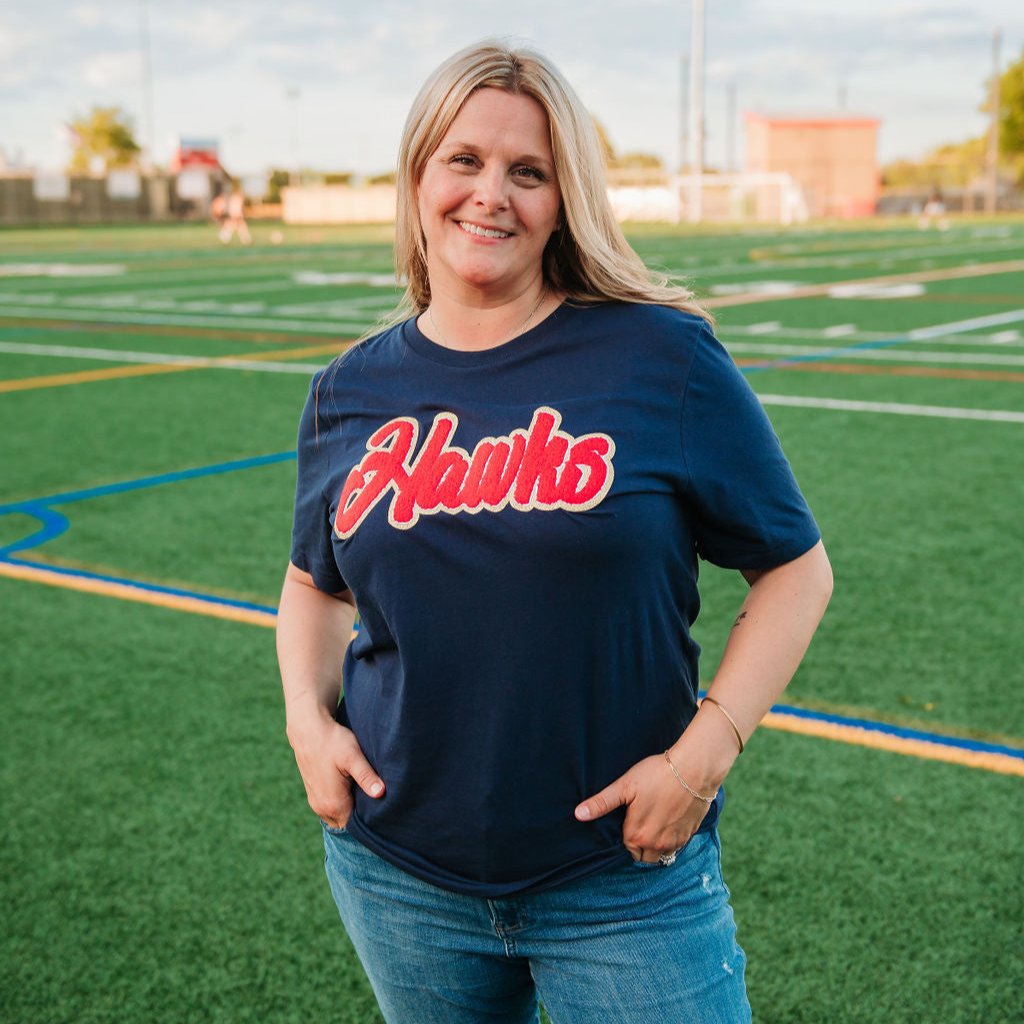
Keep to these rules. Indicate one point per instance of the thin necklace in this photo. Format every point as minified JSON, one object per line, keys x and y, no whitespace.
{"x":515,"y":334}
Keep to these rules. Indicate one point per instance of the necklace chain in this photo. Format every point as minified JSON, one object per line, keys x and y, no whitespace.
{"x":515,"y":334}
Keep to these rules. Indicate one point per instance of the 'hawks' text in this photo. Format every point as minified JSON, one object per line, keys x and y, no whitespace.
{"x":537,"y":468}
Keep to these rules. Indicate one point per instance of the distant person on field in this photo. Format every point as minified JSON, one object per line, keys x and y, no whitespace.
{"x":234,"y":220}
{"x":934,"y":212}
{"x":219,"y":209}
{"x":512,"y":482}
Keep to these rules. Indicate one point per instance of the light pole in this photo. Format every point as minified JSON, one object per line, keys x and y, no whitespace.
{"x":992,"y":191}
{"x":696,"y":112}
{"x":293,"y":93}
{"x":148,"y":155}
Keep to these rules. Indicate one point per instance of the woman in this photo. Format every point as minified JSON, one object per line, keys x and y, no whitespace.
{"x":512,"y":482}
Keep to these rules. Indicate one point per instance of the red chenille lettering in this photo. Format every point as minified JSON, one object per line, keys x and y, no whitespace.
{"x":540,"y":467}
{"x":501,"y":471}
{"x":381,"y":468}
{"x":541,"y":460}
{"x":415,"y":493}
{"x":586,"y":476}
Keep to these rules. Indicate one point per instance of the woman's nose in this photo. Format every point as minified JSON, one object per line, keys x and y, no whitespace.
{"x":492,"y":188}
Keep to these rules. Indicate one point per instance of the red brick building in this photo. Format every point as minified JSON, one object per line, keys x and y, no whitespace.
{"x":832,"y":157}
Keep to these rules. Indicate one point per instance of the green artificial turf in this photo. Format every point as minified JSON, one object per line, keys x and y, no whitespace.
{"x":159,"y":862}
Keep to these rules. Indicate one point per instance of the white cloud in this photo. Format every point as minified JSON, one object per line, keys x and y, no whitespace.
{"x":87,"y":14}
{"x":223,"y":69}
{"x":105,"y":70}
{"x":207,"y":29}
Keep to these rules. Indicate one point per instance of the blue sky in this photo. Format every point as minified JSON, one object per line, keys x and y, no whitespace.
{"x":327,"y":83}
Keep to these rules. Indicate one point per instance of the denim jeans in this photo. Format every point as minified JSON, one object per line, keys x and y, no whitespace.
{"x":638,"y":944}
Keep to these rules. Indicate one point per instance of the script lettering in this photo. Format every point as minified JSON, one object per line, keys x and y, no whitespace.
{"x":540,"y":467}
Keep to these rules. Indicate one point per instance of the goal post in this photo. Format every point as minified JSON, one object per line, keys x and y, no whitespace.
{"x":760,"y":198}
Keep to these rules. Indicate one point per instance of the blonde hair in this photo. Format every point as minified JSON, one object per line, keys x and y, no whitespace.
{"x":587,"y":258}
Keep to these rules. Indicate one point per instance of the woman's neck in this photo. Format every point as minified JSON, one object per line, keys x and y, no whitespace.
{"x":473,"y":323}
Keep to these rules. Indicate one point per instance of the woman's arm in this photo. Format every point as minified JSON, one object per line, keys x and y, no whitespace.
{"x":313,"y":630}
{"x":768,"y":640}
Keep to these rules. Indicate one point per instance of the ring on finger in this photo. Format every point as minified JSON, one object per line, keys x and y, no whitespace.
{"x":668,"y":858}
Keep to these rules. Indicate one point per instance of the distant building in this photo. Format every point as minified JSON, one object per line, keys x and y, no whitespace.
{"x":833,"y":158}
{"x":195,"y":153}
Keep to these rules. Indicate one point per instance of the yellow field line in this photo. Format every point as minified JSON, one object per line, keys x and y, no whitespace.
{"x":991,"y":762}
{"x":58,"y":380}
{"x":916,"y":277}
{"x":126,"y":592}
{"x":987,"y":761}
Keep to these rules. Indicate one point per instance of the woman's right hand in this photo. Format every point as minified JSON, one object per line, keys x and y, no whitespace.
{"x":330,"y":759}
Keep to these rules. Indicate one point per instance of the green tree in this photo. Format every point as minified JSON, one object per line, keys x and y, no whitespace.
{"x":1011,"y":109}
{"x":105,"y":133}
{"x":644,"y":161}
{"x":277,"y":180}
{"x":951,"y":166}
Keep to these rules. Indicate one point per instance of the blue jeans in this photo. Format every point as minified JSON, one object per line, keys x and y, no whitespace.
{"x":639,"y":944}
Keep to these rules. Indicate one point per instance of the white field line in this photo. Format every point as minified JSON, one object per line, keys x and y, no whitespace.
{"x":343,"y":309}
{"x":823,"y":334}
{"x":874,"y":256}
{"x":245,"y":364}
{"x":939,"y":411}
{"x":157,"y":358}
{"x":192,"y":278}
{"x":960,"y":326}
{"x":197,"y":270}
{"x":882,"y":355}
{"x":337,"y":308}
{"x":219,"y":363}
{"x":188,"y":320}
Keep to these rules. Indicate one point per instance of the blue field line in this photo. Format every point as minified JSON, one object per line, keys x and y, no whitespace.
{"x":868,"y":725}
{"x":864,"y":724}
{"x":148,"y":481}
{"x":152,"y":588}
{"x":826,"y":356}
{"x":52,"y":524}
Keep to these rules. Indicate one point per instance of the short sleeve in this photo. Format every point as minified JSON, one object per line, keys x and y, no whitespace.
{"x":312,"y":549}
{"x":749,"y":512}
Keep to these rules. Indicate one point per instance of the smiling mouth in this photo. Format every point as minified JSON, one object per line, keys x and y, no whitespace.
{"x":474,"y":229}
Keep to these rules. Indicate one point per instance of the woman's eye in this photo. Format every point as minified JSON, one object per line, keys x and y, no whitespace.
{"x":464,"y":159}
{"x":529,"y":172}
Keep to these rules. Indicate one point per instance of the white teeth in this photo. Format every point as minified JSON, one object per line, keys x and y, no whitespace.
{"x":486,"y":232}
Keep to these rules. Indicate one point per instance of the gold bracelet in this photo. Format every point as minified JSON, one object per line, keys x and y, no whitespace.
{"x":732,"y":721}
{"x":709,"y":800}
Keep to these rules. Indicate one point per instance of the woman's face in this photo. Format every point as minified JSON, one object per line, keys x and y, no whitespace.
{"x":488,"y":198}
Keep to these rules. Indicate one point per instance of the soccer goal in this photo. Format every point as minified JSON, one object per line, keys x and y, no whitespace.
{"x":765,"y":198}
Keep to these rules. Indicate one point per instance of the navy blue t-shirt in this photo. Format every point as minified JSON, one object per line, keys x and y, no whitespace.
{"x":520,"y":529}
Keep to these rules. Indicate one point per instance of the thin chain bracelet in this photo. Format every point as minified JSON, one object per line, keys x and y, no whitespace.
{"x":709,"y":800}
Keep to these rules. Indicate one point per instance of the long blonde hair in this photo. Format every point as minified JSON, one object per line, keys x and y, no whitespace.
{"x":587,"y":258}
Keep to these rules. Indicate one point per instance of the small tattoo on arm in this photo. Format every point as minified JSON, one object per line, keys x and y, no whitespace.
{"x":739,"y":619}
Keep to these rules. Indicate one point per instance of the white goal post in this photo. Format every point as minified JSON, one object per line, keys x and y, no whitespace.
{"x":764,"y":198}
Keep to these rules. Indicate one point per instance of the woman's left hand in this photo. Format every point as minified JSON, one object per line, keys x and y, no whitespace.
{"x":661,"y":816}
